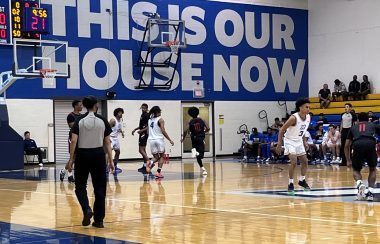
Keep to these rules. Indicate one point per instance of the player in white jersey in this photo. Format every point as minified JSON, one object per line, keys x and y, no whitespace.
{"x":116,"y":124}
{"x":157,"y":133}
{"x":295,"y":144}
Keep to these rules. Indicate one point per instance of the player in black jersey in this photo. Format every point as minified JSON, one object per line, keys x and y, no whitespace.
{"x":143,"y":135}
{"x":71,"y":117}
{"x":361,"y":142}
{"x":197,"y":128}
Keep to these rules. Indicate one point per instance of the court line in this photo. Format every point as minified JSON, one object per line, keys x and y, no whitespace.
{"x":213,"y":210}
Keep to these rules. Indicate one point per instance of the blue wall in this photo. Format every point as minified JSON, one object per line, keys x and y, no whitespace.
{"x":200,"y":17}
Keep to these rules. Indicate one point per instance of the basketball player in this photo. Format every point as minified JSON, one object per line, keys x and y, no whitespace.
{"x":156,"y":136}
{"x":75,"y":114}
{"x":117,"y":128}
{"x":295,"y":144}
{"x":197,"y":128}
{"x":143,"y":134}
{"x":361,"y":138}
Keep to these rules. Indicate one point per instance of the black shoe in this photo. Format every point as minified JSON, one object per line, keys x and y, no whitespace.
{"x":291,"y":188}
{"x":71,"y":179}
{"x":98,"y":224}
{"x":304,"y":185}
{"x":142,"y":170}
{"x":87,"y":217}
{"x":370,"y":196}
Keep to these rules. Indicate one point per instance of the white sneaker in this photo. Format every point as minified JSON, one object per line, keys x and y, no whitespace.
{"x":41,"y":164}
{"x":204,"y":172}
{"x":361,"y":192}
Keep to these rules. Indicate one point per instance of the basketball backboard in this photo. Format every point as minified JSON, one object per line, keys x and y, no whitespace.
{"x":162,"y":31}
{"x":30,"y":56}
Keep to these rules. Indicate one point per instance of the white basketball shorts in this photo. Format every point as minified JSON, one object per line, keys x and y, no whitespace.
{"x":294,"y":147}
{"x":115,"y":143}
{"x":157,"y":146}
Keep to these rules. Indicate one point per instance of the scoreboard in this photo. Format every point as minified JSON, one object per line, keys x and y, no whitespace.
{"x":22,"y":19}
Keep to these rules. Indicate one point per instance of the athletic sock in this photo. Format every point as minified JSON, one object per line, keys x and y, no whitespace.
{"x":290,"y":181}
{"x":302,"y":178}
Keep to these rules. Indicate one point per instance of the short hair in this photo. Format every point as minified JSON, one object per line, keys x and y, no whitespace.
{"x":144,"y":105}
{"x":277,"y":119}
{"x":118,"y":110}
{"x":301,"y":102}
{"x":89,"y":102}
{"x":193,"y":112}
{"x":332,"y":125}
{"x":348,"y":104}
{"x":75,"y":103}
{"x":26,"y":132}
{"x":337,"y":81}
{"x":363,"y":116}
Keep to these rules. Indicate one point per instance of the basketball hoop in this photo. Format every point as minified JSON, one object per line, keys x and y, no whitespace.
{"x":48,"y":73}
{"x":173,"y":45}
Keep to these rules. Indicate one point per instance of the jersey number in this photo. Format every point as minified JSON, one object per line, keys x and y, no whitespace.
{"x":197,"y":127}
{"x":151,"y":125}
{"x":301,"y":133}
{"x":362,"y":127}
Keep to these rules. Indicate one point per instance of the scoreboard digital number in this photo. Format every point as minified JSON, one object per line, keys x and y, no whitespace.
{"x":4,"y":23}
{"x":22,"y":19}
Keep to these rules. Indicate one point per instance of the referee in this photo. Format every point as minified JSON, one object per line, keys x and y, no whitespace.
{"x":361,"y":136}
{"x":348,"y":119}
{"x":91,"y":138}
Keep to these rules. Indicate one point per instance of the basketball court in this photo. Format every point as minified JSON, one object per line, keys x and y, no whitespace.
{"x":235,"y":203}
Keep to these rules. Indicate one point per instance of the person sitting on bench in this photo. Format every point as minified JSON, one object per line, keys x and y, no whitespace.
{"x":30,"y":147}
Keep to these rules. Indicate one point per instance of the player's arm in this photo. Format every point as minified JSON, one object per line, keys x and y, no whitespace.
{"x":290,"y":122}
{"x":185,"y":133}
{"x":73,"y":145}
{"x":108,"y":149}
{"x":162,"y":126}
{"x":134,"y":130}
{"x":305,"y":144}
{"x":112,"y":122}
{"x":70,"y":120}
{"x":207,"y":128}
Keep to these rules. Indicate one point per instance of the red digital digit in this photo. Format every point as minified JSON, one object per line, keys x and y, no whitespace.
{"x":3,"y":34}
{"x":34,"y":23}
{"x":26,"y":5}
{"x":2,"y":19}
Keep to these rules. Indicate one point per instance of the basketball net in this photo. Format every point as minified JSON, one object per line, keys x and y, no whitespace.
{"x":173,"y":45}
{"x":49,"y":75}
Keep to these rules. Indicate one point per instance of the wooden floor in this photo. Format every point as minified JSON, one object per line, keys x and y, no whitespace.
{"x":235,"y":203}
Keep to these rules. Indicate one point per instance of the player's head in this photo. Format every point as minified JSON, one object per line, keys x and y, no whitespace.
{"x":370,"y":113}
{"x":303,"y":105}
{"x":90,"y":103}
{"x":27,"y":135}
{"x":144,"y":108}
{"x":193,"y":112}
{"x":155,"y":111}
{"x":118,"y":113}
{"x":363,"y":116}
{"x":332,"y":127}
{"x":77,"y":105}
{"x":337,"y":82}
{"x":348,"y":107}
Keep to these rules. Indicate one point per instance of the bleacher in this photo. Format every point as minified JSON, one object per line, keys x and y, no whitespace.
{"x":335,"y":109}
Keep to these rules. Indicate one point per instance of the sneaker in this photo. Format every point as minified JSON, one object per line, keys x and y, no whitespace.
{"x":41,"y":164}
{"x":361,"y":192}
{"x":204,"y":172}
{"x":98,"y":224}
{"x":62,"y":174}
{"x":291,"y":188}
{"x":117,"y":171}
{"x":370,"y":196}
{"x":303,"y":184}
{"x":158,"y":175}
{"x":71,"y":179}
{"x":87,"y":217}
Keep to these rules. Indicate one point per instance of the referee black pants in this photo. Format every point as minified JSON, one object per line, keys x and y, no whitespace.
{"x":91,"y":161}
{"x":343,"y":137}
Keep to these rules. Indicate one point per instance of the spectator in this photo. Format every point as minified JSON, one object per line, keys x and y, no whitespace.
{"x":268,"y":139}
{"x":333,"y":143}
{"x":372,"y":118}
{"x":277,"y":124}
{"x":339,"y":90}
{"x":354,"y":88}
{"x":322,"y":120}
{"x":313,"y":149}
{"x":30,"y":147}
{"x":324,"y":96}
{"x":365,"y":87}
{"x":252,"y":145}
